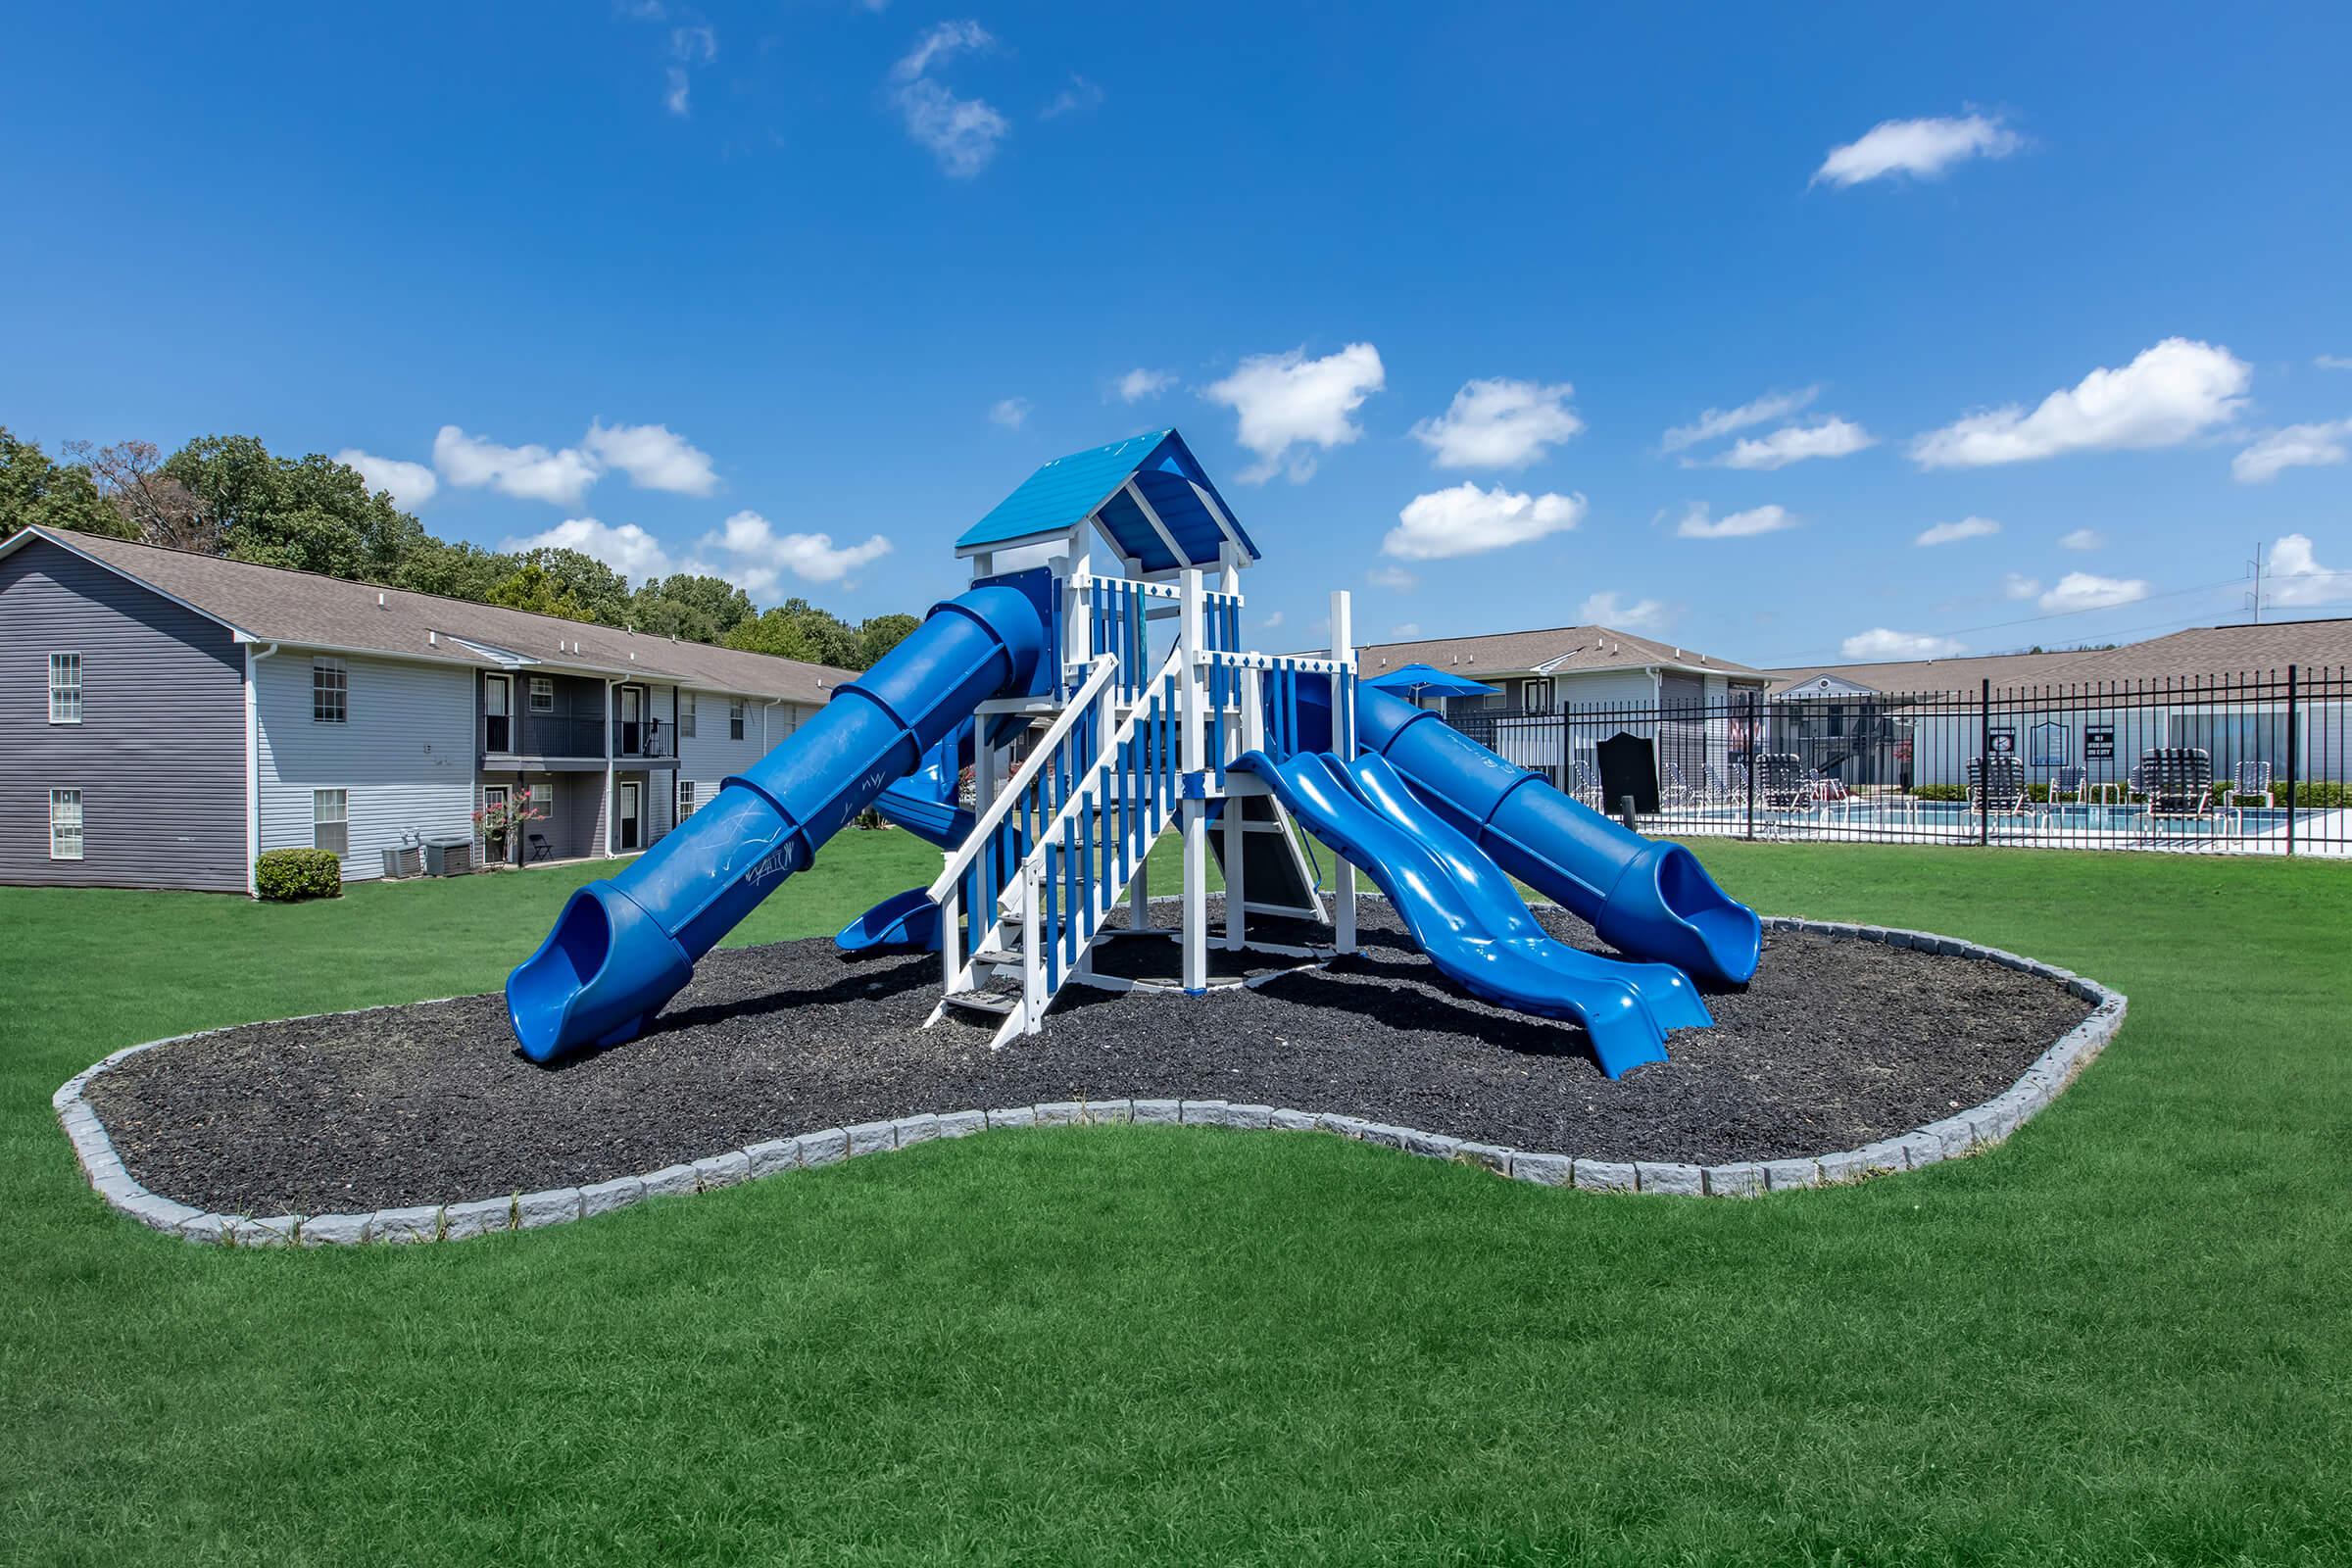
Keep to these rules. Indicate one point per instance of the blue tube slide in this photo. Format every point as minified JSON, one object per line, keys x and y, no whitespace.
{"x":1463,"y":913}
{"x":622,"y":948}
{"x":1645,"y":896}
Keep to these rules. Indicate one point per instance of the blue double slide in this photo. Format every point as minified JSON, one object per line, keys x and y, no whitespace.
{"x":1436,"y":819}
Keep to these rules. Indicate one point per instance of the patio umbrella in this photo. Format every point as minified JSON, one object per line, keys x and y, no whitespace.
{"x":1416,"y":681}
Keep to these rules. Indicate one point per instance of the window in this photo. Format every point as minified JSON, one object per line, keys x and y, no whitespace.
{"x":1535,"y":695}
{"x":735,"y":720}
{"x":686,"y":715}
{"x":330,"y":692}
{"x":64,"y":824}
{"x":331,"y":821}
{"x":64,"y":690}
{"x":685,"y":799}
{"x":543,"y":694}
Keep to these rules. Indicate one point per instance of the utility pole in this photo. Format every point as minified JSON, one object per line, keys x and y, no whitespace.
{"x":2254,"y":570}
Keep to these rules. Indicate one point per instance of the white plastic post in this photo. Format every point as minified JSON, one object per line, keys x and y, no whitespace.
{"x":1192,"y":704}
{"x":1342,"y":651}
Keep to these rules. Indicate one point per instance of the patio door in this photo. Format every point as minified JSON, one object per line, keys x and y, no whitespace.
{"x":632,"y":802}
{"x":632,"y":721}
{"x":497,"y":713}
{"x":496,"y":850}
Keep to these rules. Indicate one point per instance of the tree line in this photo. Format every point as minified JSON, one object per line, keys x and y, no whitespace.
{"x":230,"y":496}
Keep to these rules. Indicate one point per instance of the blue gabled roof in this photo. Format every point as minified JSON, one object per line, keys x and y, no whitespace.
{"x":1192,"y":515}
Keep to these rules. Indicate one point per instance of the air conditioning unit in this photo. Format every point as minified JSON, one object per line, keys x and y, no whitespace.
{"x":452,"y":857}
{"x":406,"y":861}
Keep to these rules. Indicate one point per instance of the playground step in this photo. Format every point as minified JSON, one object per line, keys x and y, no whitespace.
{"x":997,"y":956}
{"x":984,"y":1002}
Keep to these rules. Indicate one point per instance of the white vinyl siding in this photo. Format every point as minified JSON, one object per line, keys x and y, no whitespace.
{"x":64,"y":690}
{"x":405,"y":758}
{"x":708,"y":757}
{"x":64,"y":824}
{"x":330,"y":821}
{"x":330,"y":691}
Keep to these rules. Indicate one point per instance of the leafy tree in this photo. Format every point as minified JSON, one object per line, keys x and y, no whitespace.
{"x":34,"y":489}
{"x":599,"y":593}
{"x":798,"y":629}
{"x":879,"y":635}
{"x":532,"y":587}
{"x":312,"y":514}
{"x":452,"y":569}
{"x":695,"y":608}
{"x":158,"y":508}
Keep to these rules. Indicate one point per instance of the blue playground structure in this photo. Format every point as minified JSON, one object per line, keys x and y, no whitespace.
{"x":1100,"y":695}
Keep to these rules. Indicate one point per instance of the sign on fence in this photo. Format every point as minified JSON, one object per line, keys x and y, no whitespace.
{"x":2099,"y":743}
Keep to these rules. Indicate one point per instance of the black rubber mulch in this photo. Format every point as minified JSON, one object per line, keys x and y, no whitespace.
{"x":1834,"y":1044}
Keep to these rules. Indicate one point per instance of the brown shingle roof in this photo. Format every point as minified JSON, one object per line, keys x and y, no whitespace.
{"x":1560,"y":649}
{"x":2200,"y":651}
{"x":311,"y":610}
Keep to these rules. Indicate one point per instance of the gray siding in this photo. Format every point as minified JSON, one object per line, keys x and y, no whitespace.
{"x":708,"y":757}
{"x":405,"y":755}
{"x":160,"y":754}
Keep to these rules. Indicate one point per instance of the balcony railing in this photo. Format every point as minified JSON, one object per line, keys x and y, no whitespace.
{"x":549,"y":735}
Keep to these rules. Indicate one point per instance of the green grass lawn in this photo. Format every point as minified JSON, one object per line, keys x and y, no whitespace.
{"x":2122,"y":1338}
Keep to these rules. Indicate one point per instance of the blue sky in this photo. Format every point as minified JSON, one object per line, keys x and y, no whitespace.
{"x":1429,"y":288}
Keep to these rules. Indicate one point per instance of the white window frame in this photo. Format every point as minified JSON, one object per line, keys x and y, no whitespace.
{"x":686,"y":799}
{"x":737,"y":711}
{"x":341,"y":821}
{"x":686,"y":715}
{"x":326,"y":664}
{"x":70,"y":796}
{"x":543,"y":687}
{"x":63,"y":695}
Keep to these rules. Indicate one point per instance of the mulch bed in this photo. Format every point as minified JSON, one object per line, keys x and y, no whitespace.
{"x":1834,"y":1045}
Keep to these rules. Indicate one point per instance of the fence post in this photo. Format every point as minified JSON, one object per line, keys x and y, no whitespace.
{"x":1983,"y":763}
{"x":2294,"y":749}
{"x":1755,"y":741}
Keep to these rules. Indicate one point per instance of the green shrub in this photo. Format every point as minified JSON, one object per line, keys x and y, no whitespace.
{"x":286,"y":875}
{"x":1939,"y":792}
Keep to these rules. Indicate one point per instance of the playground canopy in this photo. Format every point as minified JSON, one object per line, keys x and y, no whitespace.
{"x":1427,"y":680}
{"x":1150,"y":493}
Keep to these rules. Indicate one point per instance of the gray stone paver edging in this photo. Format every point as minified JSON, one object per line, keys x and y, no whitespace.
{"x":1961,"y":1133}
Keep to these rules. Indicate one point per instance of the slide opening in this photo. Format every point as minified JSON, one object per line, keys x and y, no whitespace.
{"x":1731,"y":931}
{"x":573,"y":953}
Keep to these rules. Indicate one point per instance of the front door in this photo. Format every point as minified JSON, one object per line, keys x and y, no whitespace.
{"x":497,"y":713}
{"x":631,"y":797}
{"x":495,"y":849}
{"x":632,"y":717}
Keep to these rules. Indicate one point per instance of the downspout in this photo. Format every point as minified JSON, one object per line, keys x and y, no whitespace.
{"x":611,"y":803}
{"x":253,"y":769}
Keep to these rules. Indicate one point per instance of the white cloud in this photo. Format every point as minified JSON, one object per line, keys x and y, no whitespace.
{"x":690,"y":45}
{"x":412,"y":483}
{"x":1288,"y":400}
{"x":531,"y":472}
{"x":1500,"y":424}
{"x":1271,"y":622}
{"x":1079,"y":94}
{"x":1713,"y":423}
{"x":1606,"y":608}
{"x":2332,"y":361}
{"x":760,"y":555}
{"x":962,"y":133}
{"x":1141,"y":383}
{"x":1010,"y":412}
{"x":653,"y":456}
{"x":678,"y":99}
{"x":1924,"y":148}
{"x":2169,"y":394}
{"x":2017,"y":585}
{"x":1944,"y":533}
{"x":2083,"y":590}
{"x":2298,"y":578}
{"x":1831,"y":437}
{"x":2298,"y":446}
{"x":1880,"y":643}
{"x":2084,"y":539}
{"x":625,"y":548}
{"x":1392,"y":577}
{"x":1466,"y":520}
{"x":1695,"y":523}
{"x":1406,"y":628}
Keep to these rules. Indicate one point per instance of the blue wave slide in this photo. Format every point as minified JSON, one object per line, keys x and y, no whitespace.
{"x":1644,"y":895}
{"x":622,"y":948}
{"x":924,"y":804}
{"x":1464,"y":915}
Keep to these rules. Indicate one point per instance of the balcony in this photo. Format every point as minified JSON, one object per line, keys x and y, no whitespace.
{"x":552,"y":738}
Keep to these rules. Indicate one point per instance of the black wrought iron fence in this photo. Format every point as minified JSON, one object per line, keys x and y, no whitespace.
{"x":2257,"y":763}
